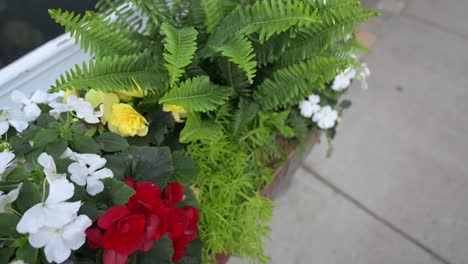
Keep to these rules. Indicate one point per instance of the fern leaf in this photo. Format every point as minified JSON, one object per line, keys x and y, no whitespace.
{"x":239,"y":50}
{"x":94,"y":33}
{"x":212,"y":14}
{"x":180,"y":46}
{"x":266,"y":17}
{"x":117,"y":73}
{"x":197,"y":94}
{"x":289,"y":85}
{"x":244,"y":115}
{"x":337,"y":24}
{"x":196,"y":129}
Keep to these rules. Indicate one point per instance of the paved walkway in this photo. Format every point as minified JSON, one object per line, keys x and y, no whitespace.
{"x":396,"y":189}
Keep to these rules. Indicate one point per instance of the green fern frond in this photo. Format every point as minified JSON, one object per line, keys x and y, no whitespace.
{"x":266,"y":17}
{"x":197,"y":129}
{"x":197,"y":94}
{"x":94,"y":33}
{"x":239,"y":50}
{"x":339,"y":20}
{"x":289,"y":85}
{"x":337,"y":24}
{"x":245,"y":114}
{"x":322,"y":5}
{"x":212,"y":14}
{"x":180,"y":46}
{"x":116,"y":73}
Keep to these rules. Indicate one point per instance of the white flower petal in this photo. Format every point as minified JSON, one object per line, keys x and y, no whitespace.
{"x":94,"y":186}
{"x":31,"y":112}
{"x":92,"y":160}
{"x":19,"y":124}
{"x":60,"y":214}
{"x":31,"y":220}
{"x":3,"y":127}
{"x":68,"y":153}
{"x":40,"y":97}
{"x":74,"y":233}
{"x":41,"y":237}
{"x":5,"y":160}
{"x":60,"y":190}
{"x":50,"y":170}
{"x":13,"y":194}
{"x":78,"y":173}
{"x":56,"y":250}
{"x":314,"y":99}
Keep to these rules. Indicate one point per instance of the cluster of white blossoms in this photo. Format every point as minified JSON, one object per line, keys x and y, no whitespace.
{"x":54,"y":223}
{"x":325,"y":117}
{"x":83,"y":109}
{"x":26,"y":110}
{"x":343,"y":80}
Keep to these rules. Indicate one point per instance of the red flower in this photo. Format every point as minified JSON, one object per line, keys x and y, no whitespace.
{"x":173,"y":194}
{"x":124,"y":232}
{"x":179,"y":248}
{"x":112,"y":257}
{"x":130,"y":182}
{"x":94,"y":235}
{"x":146,"y":200}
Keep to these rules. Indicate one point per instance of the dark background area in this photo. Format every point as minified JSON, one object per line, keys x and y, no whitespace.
{"x":25,"y":24}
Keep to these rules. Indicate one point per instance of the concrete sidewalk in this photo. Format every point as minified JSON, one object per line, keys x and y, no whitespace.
{"x":396,"y":188}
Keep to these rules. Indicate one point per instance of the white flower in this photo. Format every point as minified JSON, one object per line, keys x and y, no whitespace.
{"x":309,"y":107}
{"x":83,"y":109}
{"x":14,"y":117}
{"x":5,"y":161}
{"x":8,"y":198}
{"x":59,"y":242}
{"x":343,"y":80}
{"x":30,"y":106}
{"x":18,"y":261}
{"x":326,"y":117}
{"x":50,"y":170}
{"x":88,"y":171}
{"x":54,"y":212}
{"x":364,"y":73}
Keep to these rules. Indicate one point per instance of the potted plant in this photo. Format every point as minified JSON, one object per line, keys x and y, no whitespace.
{"x":188,"y":98}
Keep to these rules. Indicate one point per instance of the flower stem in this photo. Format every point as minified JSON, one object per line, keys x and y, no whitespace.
{"x":43,"y":189}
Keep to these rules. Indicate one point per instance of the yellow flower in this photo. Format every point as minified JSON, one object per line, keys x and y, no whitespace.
{"x":125,"y":121}
{"x":96,"y":98}
{"x":127,"y":96}
{"x":178,"y":112}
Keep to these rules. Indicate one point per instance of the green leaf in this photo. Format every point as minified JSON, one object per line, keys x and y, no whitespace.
{"x":186,"y":169}
{"x":85,"y":144}
{"x":118,"y":164}
{"x":5,"y":254}
{"x":192,"y":253}
{"x":27,"y":253}
{"x":239,"y":50}
{"x":196,"y":129}
{"x":115,"y":73}
{"x":197,"y":94}
{"x":56,"y":148}
{"x":345,"y":104}
{"x":29,"y":196}
{"x":45,"y":119}
{"x":44,"y":137}
{"x":117,"y":191}
{"x":152,"y":164}
{"x":161,"y":253}
{"x":18,"y":174}
{"x":180,"y":46}
{"x":8,"y":224}
{"x":111,"y":142}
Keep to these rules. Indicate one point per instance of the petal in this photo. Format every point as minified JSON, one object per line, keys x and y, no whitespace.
{"x":41,"y":237}
{"x":19,"y":124}
{"x":56,"y":250}
{"x":94,"y":187}
{"x":68,"y":153}
{"x":45,"y":160}
{"x":102,"y":174}
{"x":60,"y":190}
{"x":3,"y":127}
{"x":94,"y":236}
{"x":58,"y":215}
{"x":31,"y":220}
{"x":74,"y":233}
{"x":94,"y":161}
{"x":112,"y":257}
{"x":79,"y":173}
{"x":113,"y":213}
{"x":13,"y":194}
{"x":40,"y":97}
{"x":31,"y":112}
{"x":5,"y":160}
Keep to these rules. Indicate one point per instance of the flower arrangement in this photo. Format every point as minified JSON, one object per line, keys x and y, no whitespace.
{"x":157,"y":149}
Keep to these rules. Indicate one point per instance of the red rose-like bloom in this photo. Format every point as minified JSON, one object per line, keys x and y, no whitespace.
{"x":173,"y":194}
{"x":94,"y":235}
{"x":130,"y":182}
{"x":124,"y":232}
{"x":179,"y":248}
